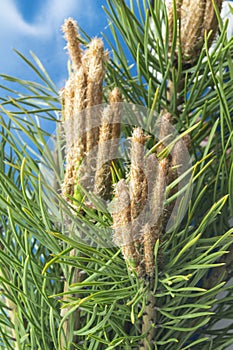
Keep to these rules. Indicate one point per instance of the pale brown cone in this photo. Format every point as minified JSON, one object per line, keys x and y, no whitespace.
{"x":68,"y":112}
{"x":104,"y":157}
{"x":115,"y":99}
{"x":191,"y":29}
{"x":157,"y":200}
{"x":80,"y":89}
{"x":138,"y":180}
{"x":115,"y":96}
{"x":70,"y":30}
{"x":150,"y":236}
{"x":122,"y":224}
{"x":108,"y":144}
{"x":74,"y":102}
{"x":153,"y":230}
{"x":93,"y":61}
{"x":165,"y":131}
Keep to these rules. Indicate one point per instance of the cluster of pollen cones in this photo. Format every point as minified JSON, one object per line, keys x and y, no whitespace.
{"x":194,"y":20}
{"x":140,"y":218}
{"x":92,"y":140}
{"x":89,"y":131}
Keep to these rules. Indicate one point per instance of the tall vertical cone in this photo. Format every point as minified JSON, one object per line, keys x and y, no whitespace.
{"x":108,"y":145}
{"x":74,"y":122}
{"x":122,"y":225}
{"x":70,"y":30}
{"x":93,"y":60}
{"x":74,"y":101}
{"x":93,"y":63}
{"x":138,"y":180}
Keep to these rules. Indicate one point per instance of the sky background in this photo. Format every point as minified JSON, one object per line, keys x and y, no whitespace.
{"x":36,"y":25}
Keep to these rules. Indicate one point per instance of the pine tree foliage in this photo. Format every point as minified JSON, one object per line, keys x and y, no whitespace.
{"x":192,"y":263}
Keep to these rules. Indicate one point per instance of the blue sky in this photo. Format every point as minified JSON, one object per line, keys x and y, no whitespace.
{"x":36,"y":25}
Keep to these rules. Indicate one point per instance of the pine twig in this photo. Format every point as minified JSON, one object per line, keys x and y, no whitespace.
{"x":149,"y":319}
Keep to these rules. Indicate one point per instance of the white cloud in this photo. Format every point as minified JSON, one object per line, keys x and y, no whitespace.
{"x":42,"y":35}
{"x":12,"y":21}
{"x":50,"y":16}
